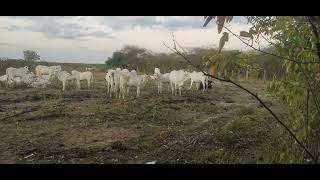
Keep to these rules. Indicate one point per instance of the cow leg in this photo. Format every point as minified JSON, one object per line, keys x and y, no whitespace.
{"x":63,"y":85}
{"x":207,"y":84}
{"x":191,"y":84}
{"x":138,"y":91}
{"x":172,"y":90}
{"x":204,"y":86}
{"x":128,"y":89}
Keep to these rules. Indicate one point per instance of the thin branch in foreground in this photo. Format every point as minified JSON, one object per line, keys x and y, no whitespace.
{"x":175,"y":50}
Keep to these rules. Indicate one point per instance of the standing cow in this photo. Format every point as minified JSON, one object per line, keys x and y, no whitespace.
{"x":47,"y":70}
{"x":83,"y":76}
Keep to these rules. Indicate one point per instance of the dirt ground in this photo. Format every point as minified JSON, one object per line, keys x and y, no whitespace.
{"x":222,"y":125}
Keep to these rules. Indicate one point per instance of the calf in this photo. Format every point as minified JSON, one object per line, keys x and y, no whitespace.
{"x":79,"y":76}
{"x":47,"y":70}
{"x":160,"y":79}
{"x":198,"y":77}
{"x":16,"y":72}
{"x":177,"y":79}
{"x":128,"y":80}
{"x":64,"y":76}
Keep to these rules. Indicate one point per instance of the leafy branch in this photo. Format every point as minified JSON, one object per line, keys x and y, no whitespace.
{"x":220,"y":24}
{"x":275,"y":55}
{"x":178,"y":52}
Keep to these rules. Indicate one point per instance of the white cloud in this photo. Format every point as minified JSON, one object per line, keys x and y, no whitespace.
{"x":84,"y":38}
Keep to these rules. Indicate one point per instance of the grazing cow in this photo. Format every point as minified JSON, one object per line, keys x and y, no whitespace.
{"x":209,"y":85}
{"x":198,"y":77}
{"x":115,"y":80}
{"x":109,"y":81}
{"x":64,"y":76}
{"x":3,"y":78}
{"x":79,"y":76}
{"x":177,"y":79}
{"x":40,"y":82}
{"x":160,"y":79}
{"x":118,"y":69}
{"x":49,"y":70}
{"x":27,"y":78}
{"x":16,"y":72}
{"x":131,"y":79}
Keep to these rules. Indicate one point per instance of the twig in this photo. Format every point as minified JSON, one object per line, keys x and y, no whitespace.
{"x":307,"y":115}
{"x":18,"y":114}
{"x":175,"y":50}
{"x":311,"y":20}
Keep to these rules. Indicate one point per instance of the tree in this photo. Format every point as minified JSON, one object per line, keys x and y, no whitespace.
{"x":3,"y":58}
{"x":31,"y":56}
{"x":296,"y":40}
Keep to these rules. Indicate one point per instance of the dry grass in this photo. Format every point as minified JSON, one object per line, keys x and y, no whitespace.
{"x":223,"y":125}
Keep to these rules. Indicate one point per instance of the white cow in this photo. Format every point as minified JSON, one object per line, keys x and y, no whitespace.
{"x":160,"y":79}
{"x":27,"y":78}
{"x":83,"y":76}
{"x":199,"y":77}
{"x":177,"y":79}
{"x":131,"y":79}
{"x":115,"y":80}
{"x":40,"y":82}
{"x":3,"y":78}
{"x":49,"y":70}
{"x":109,"y":80}
{"x":16,"y":72}
{"x":64,"y":76}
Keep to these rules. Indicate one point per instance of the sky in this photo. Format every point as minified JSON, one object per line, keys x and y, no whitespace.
{"x":92,"y":39}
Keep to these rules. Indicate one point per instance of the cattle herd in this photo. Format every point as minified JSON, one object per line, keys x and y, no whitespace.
{"x":119,"y":81}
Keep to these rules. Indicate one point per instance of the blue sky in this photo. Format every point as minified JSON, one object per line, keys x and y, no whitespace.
{"x":92,"y":39}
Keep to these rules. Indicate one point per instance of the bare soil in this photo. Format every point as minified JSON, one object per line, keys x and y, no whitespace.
{"x":222,"y":125}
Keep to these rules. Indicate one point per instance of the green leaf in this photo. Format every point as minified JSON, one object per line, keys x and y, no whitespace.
{"x":223,"y":40}
{"x":209,"y":18}
{"x":221,"y":20}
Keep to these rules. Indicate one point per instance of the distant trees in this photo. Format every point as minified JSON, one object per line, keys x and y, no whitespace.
{"x":231,"y":62}
{"x":3,"y":58}
{"x":31,"y":56}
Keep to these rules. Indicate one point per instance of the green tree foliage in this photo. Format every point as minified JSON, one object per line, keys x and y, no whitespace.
{"x":134,"y":57}
{"x":296,"y":40}
{"x":31,"y":56}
